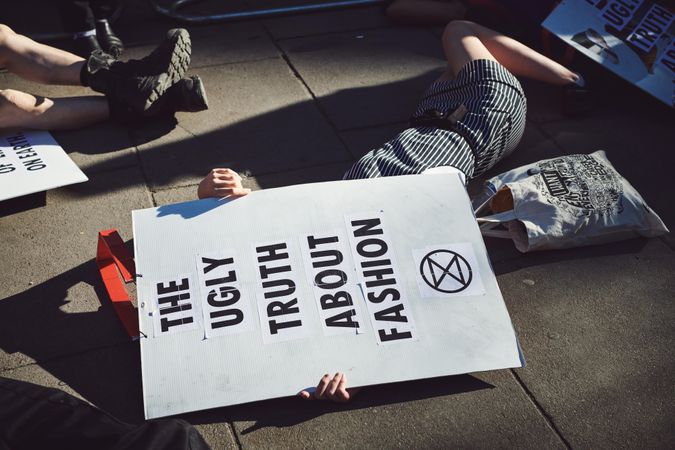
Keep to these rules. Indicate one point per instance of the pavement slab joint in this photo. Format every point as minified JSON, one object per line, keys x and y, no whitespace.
{"x":595,"y":323}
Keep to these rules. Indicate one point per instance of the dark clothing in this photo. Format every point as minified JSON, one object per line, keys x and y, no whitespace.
{"x":35,"y":417}
{"x":80,"y":15}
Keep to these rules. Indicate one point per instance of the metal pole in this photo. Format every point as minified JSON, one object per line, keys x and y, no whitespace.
{"x":172,"y":11}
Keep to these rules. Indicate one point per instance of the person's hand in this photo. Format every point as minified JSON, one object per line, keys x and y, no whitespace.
{"x":331,"y":388}
{"x":221,"y":183}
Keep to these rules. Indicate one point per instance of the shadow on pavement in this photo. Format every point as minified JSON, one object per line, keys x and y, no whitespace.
{"x":189,"y":210}
{"x":515,"y":260}
{"x":289,"y":138}
{"x":87,"y":350}
{"x":286,"y":412}
{"x":108,"y":137}
{"x":25,"y":203}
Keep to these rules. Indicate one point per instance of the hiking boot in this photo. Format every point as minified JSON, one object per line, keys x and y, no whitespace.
{"x":109,"y":41}
{"x":171,"y":56}
{"x":186,"y":95}
{"x":139,"y":83}
{"x":105,"y":74}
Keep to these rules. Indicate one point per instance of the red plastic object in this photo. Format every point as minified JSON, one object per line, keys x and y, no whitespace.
{"x":113,"y":259}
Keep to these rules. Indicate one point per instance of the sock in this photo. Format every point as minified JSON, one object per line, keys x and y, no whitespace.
{"x":83,"y":75}
{"x":580,"y":80}
{"x":81,"y":34}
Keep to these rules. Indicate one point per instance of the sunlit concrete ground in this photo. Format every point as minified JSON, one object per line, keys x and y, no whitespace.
{"x":297,"y":100}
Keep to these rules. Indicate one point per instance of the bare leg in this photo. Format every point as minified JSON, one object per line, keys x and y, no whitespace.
{"x":21,"y":110}
{"x":466,"y":41}
{"x":425,"y":12}
{"x":38,"y":62}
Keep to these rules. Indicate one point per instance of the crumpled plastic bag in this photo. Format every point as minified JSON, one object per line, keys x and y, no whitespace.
{"x":565,"y":202}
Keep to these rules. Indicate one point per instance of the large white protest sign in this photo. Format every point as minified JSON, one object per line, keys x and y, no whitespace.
{"x":632,"y":38}
{"x":256,"y":298}
{"x":32,"y":161}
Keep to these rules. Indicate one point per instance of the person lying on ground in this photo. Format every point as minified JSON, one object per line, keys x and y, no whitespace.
{"x":133,"y":90}
{"x":468,"y":120}
{"x":521,"y":16}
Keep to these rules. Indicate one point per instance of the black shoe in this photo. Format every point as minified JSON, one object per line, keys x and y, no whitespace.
{"x":109,"y":41}
{"x":85,"y":46}
{"x":139,"y":83}
{"x":172,"y":56}
{"x":187,"y":95}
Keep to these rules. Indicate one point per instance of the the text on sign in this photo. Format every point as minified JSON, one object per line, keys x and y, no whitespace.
{"x":667,"y":60}
{"x":619,"y":12}
{"x":388,"y":307}
{"x":327,"y":273}
{"x":175,"y":307}
{"x":280,"y":312}
{"x":650,"y":29}
{"x":24,"y":152}
{"x":224,"y":309}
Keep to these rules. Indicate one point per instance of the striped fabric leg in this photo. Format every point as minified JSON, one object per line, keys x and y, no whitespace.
{"x":491,"y":128}
{"x":412,"y":152}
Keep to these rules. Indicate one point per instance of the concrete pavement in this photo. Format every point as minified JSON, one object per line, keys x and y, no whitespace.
{"x":299,"y":99}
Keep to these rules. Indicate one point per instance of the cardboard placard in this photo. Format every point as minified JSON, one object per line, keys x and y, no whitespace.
{"x":632,"y":38}
{"x":256,"y":298}
{"x":32,"y":161}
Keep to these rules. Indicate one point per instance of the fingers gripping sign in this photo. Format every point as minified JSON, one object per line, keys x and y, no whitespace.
{"x":221,"y":182}
{"x":330,"y":388}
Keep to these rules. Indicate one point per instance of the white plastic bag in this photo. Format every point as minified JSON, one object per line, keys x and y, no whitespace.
{"x":564,"y":202}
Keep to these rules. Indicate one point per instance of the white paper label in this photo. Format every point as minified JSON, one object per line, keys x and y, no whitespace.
{"x":650,"y":29}
{"x":667,"y":59}
{"x":618,"y":13}
{"x":372,"y":251}
{"x":331,"y":275}
{"x":447,"y":270}
{"x":225,"y":308}
{"x":280,"y":306}
{"x":175,"y":308}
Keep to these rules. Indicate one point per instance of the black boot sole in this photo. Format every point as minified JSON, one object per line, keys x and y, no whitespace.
{"x":177,"y":63}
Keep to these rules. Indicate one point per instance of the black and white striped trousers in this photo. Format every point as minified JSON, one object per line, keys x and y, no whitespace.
{"x":490,"y":130}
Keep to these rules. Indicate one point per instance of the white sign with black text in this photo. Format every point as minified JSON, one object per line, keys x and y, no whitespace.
{"x":258,"y":297}
{"x":632,"y":38}
{"x":32,"y":161}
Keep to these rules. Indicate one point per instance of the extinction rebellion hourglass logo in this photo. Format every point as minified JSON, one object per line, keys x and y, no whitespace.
{"x":446,"y":271}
